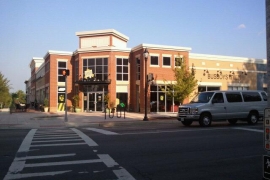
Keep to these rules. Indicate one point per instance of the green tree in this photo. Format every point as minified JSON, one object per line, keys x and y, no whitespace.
{"x":185,"y":82}
{"x":5,"y":98}
{"x":21,"y":96}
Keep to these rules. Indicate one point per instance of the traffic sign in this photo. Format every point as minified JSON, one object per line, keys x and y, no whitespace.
{"x":266,"y":123}
{"x":266,"y":167}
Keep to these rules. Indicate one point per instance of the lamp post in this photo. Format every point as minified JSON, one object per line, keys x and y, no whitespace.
{"x":145,"y":55}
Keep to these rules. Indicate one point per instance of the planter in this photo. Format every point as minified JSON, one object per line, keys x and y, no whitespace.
{"x":78,"y":110}
{"x":46,"y":109}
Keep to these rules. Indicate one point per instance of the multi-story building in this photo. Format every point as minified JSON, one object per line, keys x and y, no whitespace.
{"x":104,"y":69}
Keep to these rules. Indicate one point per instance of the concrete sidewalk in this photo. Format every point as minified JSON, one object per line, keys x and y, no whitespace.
{"x":36,"y":119}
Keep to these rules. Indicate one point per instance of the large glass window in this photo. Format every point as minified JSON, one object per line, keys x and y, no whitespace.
{"x":154,"y":60}
{"x":160,"y":101}
{"x":61,"y":65}
{"x":122,"y":69}
{"x":99,"y":67}
{"x":208,"y":88}
{"x":238,"y":88}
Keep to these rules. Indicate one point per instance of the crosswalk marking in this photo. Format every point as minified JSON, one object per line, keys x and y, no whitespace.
{"x":87,"y":139}
{"x":61,"y":140}
{"x":48,"y":138}
{"x":102,"y":131}
{"x":61,"y":144}
{"x":44,"y":156}
{"x":63,"y":163}
{"x":29,"y":175}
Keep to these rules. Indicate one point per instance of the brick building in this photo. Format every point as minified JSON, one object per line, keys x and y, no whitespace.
{"x":104,"y":70}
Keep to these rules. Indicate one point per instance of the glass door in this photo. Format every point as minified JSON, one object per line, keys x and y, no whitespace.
{"x":91,"y":102}
{"x":95,"y":101}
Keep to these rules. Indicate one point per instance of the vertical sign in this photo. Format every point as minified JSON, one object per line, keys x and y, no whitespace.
{"x":266,"y":159}
{"x":267,"y":129}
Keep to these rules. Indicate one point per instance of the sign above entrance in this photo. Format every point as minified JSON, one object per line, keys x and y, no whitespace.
{"x":88,"y":73}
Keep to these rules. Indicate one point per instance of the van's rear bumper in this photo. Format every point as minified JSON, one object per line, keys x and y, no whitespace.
{"x":188,"y":117}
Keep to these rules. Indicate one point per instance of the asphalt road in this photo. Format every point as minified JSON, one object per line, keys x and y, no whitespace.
{"x":134,"y":151}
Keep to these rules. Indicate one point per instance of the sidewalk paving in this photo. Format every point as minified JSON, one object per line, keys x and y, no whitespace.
{"x":36,"y":119}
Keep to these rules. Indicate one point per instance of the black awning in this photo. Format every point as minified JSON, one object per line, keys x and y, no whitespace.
{"x":93,"y":82}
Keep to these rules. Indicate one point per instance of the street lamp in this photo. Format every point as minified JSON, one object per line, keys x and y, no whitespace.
{"x":145,"y":55}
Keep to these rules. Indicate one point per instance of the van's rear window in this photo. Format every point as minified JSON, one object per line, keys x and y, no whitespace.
{"x":251,"y":96}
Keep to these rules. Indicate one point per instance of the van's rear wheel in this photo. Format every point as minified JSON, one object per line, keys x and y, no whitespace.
{"x":205,"y":120}
{"x":187,"y":122}
{"x":232,"y":121}
{"x":253,"y":118}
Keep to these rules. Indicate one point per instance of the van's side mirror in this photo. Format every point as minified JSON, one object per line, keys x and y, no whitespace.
{"x":214,"y":101}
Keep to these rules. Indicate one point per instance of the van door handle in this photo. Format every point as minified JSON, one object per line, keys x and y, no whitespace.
{"x":225,"y":108}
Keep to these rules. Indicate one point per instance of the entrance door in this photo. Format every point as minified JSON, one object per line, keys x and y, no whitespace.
{"x":95,"y":102}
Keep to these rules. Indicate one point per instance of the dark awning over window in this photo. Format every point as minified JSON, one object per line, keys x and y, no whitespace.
{"x":90,"y":82}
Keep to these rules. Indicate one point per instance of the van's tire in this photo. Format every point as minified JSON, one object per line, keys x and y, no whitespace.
{"x":187,"y":122}
{"x":253,"y":118}
{"x":232,"y":121}
{"x":205,"y":120}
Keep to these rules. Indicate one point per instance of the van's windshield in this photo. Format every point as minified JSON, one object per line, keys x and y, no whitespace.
{"x":202,"y":97}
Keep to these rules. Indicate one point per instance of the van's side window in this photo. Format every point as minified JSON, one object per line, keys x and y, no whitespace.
{"x":234,"y":97}
{"x":251,"y":96}
{"x":264,"y":96}
{"x":218,"y":98}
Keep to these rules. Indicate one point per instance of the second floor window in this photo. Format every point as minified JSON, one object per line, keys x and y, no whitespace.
{"x":166,"y":61}
{"x":122,"y":69}
{"x":154,"y":60}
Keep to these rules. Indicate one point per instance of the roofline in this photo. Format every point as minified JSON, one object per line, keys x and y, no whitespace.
{"x":226,"y":58}
{"x":102,"y":32}
{"x":62,"y":53}
{"x":102,"y":49}
{"x":163,"y":47}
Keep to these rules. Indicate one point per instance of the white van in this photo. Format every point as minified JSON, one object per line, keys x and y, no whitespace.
{"x":211,"y":106}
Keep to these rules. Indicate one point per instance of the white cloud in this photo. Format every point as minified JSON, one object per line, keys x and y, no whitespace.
{"x":241,"y":26}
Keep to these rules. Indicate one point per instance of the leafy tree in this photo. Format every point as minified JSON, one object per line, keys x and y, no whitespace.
{"x":185,"y":82}
{"x":21,"y":96}
{"x":5,"y":98}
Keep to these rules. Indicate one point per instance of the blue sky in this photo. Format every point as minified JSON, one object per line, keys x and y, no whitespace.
{"x":29,"y":28}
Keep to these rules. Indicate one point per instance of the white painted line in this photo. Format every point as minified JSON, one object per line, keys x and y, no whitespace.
{"x":62,"y":135}
{"x":123,"y":174}
{"x":248,"y":129}
{"x":29,"y":175}
{"x":87,"y":139}
{"x":59,"y":137}
{"x":62,"y":144}
{"x":51,"y":132}
{"x":63,"y":163}
{"x":107,"y":160}
{"x":102,"y":131}
{"x":27,"y":141}
{"x":44,"y":156}
{"x":61,"y":140}
{"x":17,"y":166}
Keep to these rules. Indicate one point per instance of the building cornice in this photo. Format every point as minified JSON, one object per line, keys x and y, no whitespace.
{"x":102,"y":49}
{"x":226,"y":58}
{"x":61,"y":53}
{"x":103,"y":33}
{"x":160,"y":47}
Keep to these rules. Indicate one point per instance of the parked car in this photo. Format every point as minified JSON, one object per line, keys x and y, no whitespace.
{"x":211,"y":106}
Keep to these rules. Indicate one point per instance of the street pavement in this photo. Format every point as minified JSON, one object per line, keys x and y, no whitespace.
{"x":37,"y":119}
